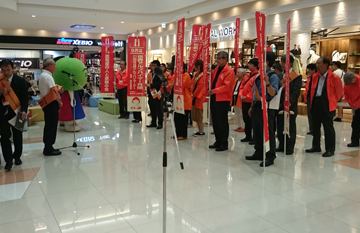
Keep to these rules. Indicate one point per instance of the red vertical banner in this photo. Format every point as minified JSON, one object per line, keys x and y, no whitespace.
{"x":260,"y":52}
{"x":206,"y":58}
{"x":236,"y":43}
{"x":107,"y":67}
{"x":136,"y":67}
{"x":196,"y":45}
{"x":81,"y":57}
{"x":287,"y":80}
{"x":178,"y":87}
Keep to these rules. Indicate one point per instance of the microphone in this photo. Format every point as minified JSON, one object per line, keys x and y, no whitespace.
{"x":65,"y":72}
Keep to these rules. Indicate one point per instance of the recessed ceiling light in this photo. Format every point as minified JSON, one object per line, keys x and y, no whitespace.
{"x":322,"y":28}
{"x":122,"y":22}
{"x":102,"y":27}
{"x":33,"y":16}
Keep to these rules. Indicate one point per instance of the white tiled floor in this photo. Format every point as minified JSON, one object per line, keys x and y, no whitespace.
{"x":115,"y":186}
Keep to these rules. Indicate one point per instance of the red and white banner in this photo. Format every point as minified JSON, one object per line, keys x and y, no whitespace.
{"x":236,"y":43}
{"x":178,"y":87}
{"x":136,"y":67}
{"x":206,"y":58}
{"x":107,"y":67}
{"x":260,"y":31}
{"x":81,"y":57}
{"x":287,"y":85}
{"x":196,"y":45}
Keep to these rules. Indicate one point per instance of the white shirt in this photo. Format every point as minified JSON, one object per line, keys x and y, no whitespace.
{"x":10,"y":79}
{"x":46,"y":82}
{"x":321,"y":84}
{"x":340,"y":73}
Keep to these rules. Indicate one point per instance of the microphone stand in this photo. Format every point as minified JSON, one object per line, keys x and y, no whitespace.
{"x":165,"y":97}
{"x":74,"y":145}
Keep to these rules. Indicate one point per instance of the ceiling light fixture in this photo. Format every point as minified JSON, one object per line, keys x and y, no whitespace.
{"x":78,"y":26}
{"x":122,"y":22}
{"x":102,"y":27}
{"x":322,"y":28}
{"x":33,"y":16}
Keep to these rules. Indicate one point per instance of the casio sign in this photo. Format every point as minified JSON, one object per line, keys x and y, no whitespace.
{"x":64,"y":41}
{"x":223,"y":32}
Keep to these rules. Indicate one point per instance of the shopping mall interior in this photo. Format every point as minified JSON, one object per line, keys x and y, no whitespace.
{"x":115,"y":179}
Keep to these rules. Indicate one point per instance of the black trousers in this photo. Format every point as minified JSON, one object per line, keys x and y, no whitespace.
{"x":6,"y":130}
{"x":122,"y":97}
{"x":290,"y":142}
{"x":51,"y":117}
{"x":319,"y":117}
{"x":258,"y":126}
{"x":247,"y":120}
{"x":355,"y":125}
{"x":137,"y":116}
{"x":309,"y":115}
{"x":219,"y":113}
{"x":181,"y":124}
{"x":156,"y":109}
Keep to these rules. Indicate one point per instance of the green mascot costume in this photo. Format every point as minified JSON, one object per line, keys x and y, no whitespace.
{"x":70,"y":98}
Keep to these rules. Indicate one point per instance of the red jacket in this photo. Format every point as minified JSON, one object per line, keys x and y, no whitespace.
{"x":187,"y":83}
{"x":352,"y":93}
{"x":247,"y":85}
{"x":225,"y":82}
{"x":334,"y":89}
{"x":123,"y":78}
{"x":307,"y":88}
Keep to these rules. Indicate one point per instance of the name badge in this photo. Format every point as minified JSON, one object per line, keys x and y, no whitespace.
{"x":121,"y":81}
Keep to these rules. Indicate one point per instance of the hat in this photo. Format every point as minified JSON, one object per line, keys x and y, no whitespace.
{"x":254,"y":61}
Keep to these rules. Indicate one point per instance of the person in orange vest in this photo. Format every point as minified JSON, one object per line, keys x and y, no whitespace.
{"x":247,"y":98}
{"x":222,"y":81}
{"x":352,"y":96}
{"x":181,"y":120}
{"x":325,"y":91}
{"x":121,"y":86}
{"x":311,"y":70}
{"x":197,"y":98}
{"x":236,"y":100}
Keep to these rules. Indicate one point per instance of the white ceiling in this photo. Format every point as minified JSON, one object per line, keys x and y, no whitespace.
{"x":58,"y":15}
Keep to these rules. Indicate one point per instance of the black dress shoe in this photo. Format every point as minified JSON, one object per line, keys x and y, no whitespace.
{"x":151,"y":126}
{"x":328,"y":154}
{"x":18,"y":162}
{"x":309,"y":133}
{"x":253,"y":157}
{"x":352,"y":145}
{"x":121,"y":117}
{"x":8,"y":167}
{"x":221,"y":148}
{"x":268,"y":162}
{"x":245,"y":140}
{"x":313,"y":150}
{"x":159,"y":127}
{"x":135,"y":121}
{"x":214,"y":146}
{"x":279,"y":149}
{"x":338,"y":119}
{"x":289,"y":152}
{"x":52,"y":153}
{"x":251,"y":143}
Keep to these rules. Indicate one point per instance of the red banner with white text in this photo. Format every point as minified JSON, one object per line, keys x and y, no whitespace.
{"x":136,"y":67}
{"x":107,"y":67}
{"x":236,"y":43}
{"x":287,"y":80}
{"x":260,"y":31}
{"x":179,"y":66}
{"x":81,"y":57}
{"x":196,"y":45}
{"x":206,"y":58}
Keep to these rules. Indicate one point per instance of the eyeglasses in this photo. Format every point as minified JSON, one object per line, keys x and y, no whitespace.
{"x":218,"y":58}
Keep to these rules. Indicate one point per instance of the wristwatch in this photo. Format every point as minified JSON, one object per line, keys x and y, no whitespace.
{"x":268,"y":85}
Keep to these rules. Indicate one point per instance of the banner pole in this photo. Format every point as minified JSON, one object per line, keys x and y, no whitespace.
{"x":265,"y":59}
{"x":209,"y":101}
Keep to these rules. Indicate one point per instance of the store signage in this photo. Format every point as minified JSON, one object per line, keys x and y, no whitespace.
{"x":223,"y":32}
{"x":136,"y":74}
{"x":32,"y":63}
{"x":64,"y":41}
{"x":118,"y":43}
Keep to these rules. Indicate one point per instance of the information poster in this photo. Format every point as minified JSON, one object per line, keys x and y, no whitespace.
{"x":107,"y":67}
{"x":196,"y":45}
{"x":178,"y":87}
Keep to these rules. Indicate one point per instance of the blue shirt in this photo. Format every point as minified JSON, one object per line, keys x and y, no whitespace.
{"x":274,"y":82}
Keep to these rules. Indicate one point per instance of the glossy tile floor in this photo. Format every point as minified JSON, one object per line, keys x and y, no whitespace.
{"x":116,"y":185}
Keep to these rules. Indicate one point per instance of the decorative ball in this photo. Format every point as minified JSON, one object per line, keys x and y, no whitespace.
{"x":73,"y":66}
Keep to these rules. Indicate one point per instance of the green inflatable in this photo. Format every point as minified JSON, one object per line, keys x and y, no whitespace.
{"x":73,"y":66}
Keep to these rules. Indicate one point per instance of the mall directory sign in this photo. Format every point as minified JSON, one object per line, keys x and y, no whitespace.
{"x":136,"y":67}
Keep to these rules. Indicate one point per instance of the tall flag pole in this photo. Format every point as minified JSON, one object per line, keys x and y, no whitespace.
{"x":260,"y":31}
{"x":236,"y":43}
{"x":287,"y":86}
{"x":179,"y":67}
